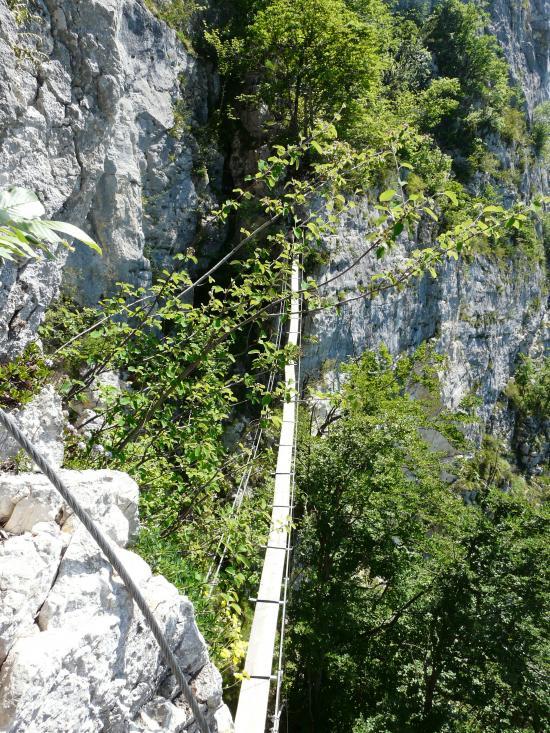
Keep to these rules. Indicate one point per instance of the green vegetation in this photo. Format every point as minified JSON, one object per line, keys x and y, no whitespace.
{"x":189,"y":365}
{"x":20,"y":10}
{"x":530,"y":388}
{"x":438,"y":78}
{"x":22,"y":377}
{"x":441,"y":73}
{"x":490,"y":466}
{"x":315,"y":58}
{"x":178,"y":14}
{"x":22,"y":231}
{"x":462,"y":51}
{"x":541,"y":130}
{"x":414,"y":609}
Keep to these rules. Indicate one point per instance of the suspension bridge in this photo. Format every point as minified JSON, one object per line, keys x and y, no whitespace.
{"x":270,"y":605}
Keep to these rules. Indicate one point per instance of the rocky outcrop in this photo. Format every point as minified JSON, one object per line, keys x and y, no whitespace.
{"x":523,"y":29}
{"x":480,"y":316}
{"x":97,"y":100}
{"x":42,"y":421}
{"x":75,"y":653}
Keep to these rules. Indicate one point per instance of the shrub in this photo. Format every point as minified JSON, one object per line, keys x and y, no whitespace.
{"x":455,"y":35}
{"x":540,"y":132}
{"x":178,"y":14}
{"x":23,"y":377}
{"x":530,"y":387}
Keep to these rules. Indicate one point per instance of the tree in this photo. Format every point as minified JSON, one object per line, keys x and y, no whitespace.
{"x":462,"y":50}
{"x":412,"y":612}
{"x":314,"y":56}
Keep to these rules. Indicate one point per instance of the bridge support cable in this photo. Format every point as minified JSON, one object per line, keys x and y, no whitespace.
{"x":110,"y":553}
{"x":254,"y":695}
{"x":215,"y":568}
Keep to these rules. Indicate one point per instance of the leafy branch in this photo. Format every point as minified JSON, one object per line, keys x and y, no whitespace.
{"x":23,"y":233}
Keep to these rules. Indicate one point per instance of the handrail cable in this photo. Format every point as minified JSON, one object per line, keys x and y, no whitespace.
{"x":245,"y":478}
{"x":253,"y":702}
{"x":110,"y":553}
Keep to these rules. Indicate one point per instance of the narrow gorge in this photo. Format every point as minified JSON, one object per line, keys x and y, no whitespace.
{"x":398,"y":151}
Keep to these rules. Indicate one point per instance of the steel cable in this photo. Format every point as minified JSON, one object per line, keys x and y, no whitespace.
{"x":105,"y":546}
{"x":243,"y":484}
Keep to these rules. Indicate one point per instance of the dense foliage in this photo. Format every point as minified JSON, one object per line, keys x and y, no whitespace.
{"x":402,"y":587}
{"x":413,"y":608}
{"x":178,"y":14}
{"x":21,"y":378}
{"x":315,"y":58}
{"x":189,"y":363}
{"x":441,"y":72}
{"x":454,"y":35}
{"x":530,"y":388}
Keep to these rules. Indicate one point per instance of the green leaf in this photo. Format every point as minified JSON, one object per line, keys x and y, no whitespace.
{"x":74,"y":232}
{"x":397,"y":229}
{"x":387,"y":195}
{"x":42,"y":233}
{"x":315,"y":145}
{"x":453,"y":198}
{"x":18,"y":204}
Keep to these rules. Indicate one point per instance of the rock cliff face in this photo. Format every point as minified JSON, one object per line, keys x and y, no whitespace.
{"x":523,"y":29}
{"x":482,"y":315}
{"x":96,"y":103}
{"x":75,"y":653}
{"x":97,"y":100}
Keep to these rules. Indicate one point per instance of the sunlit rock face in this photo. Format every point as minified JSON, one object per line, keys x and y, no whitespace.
{"x":480,"y":315}
{"x":96,"y":103}
{"x":523,"y":29}
{"x":75,"y":653}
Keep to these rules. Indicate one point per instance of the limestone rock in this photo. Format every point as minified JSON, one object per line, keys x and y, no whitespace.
{"x":41,"y":420}
{"x":523,"y":29}
{"x":87,"y":111}
{"x":75,"y":652}
{"x":162,"y":715}
{"x":479,"y":315}
{"x":109,"y":496}
{"x":28,"y":564}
